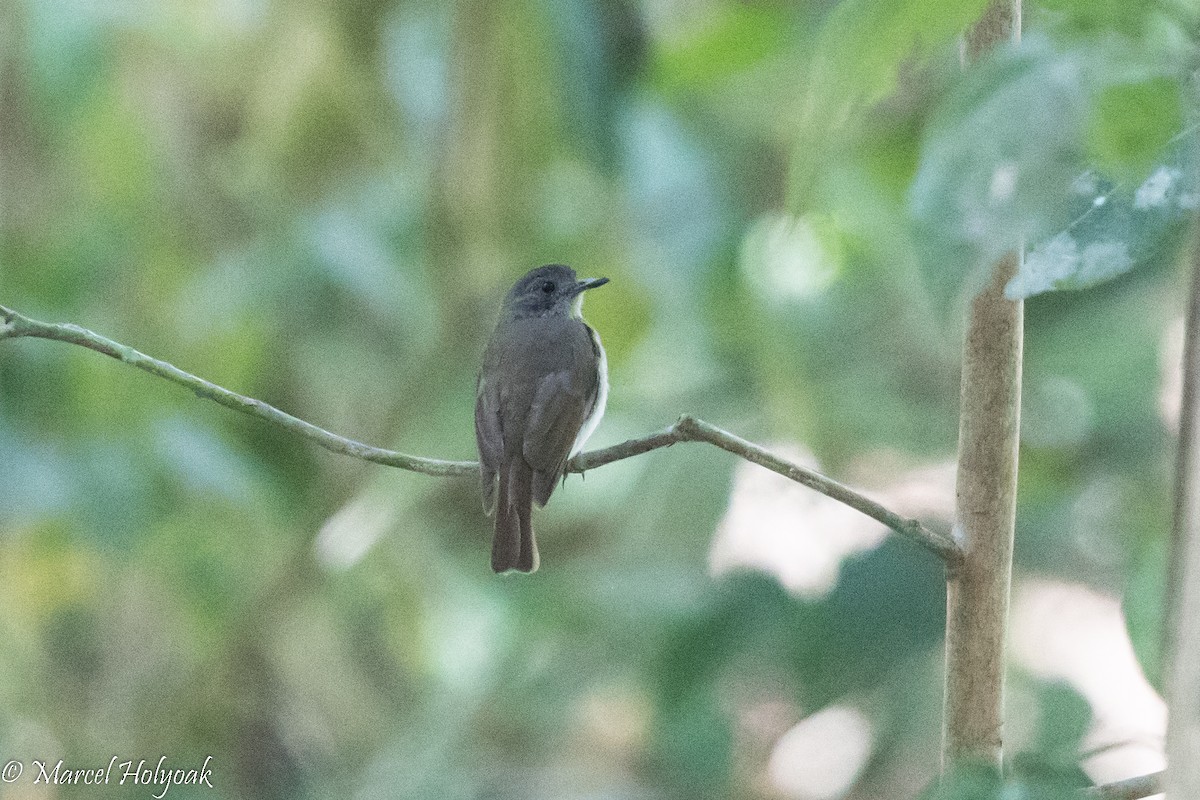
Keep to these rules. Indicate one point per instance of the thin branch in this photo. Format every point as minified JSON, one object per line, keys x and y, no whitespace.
{"x":1130,"y":788}
{"x":685,"y":429}
{"x":17,"y":325}
{"x":696,"y":430}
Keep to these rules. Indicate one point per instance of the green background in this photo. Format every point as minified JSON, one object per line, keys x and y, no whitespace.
{"x":320,"y":204}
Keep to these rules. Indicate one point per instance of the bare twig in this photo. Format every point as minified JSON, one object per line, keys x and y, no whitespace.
{"x":17,"y":325}
{"x":685,"y":429}
{"x":690,"y":429}
{"x":1130,"y":788}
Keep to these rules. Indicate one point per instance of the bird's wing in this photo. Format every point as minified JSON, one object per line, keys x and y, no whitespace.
{"x":489,"y":435}
{"x":561,"y":404}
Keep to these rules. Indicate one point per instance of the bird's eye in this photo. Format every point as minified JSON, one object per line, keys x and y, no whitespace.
{"x":548,"y":287}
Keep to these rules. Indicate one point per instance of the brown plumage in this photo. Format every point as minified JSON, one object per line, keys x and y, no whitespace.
{"x":540,"y":393}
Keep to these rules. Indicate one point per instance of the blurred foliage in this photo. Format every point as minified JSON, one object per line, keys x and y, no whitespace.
{"x":320,"y":204}
{"x":1049,"y":770}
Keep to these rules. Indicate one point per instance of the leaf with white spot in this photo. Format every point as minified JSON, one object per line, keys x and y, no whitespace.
{"x":1116,"y":228}
{"x":1153,"y":192}
{"x":1000,"y":154}
{"x":1073,"y":154}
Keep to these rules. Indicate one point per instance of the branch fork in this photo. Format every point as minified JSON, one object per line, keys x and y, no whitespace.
{"x":685,"y":429}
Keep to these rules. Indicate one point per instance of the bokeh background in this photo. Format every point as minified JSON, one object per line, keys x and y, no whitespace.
{"x":320,"y":204}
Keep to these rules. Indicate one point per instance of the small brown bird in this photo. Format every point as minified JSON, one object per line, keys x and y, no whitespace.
{"x":540,"y":393}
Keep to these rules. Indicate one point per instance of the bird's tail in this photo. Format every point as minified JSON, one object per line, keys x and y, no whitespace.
{"x":513,"y":545}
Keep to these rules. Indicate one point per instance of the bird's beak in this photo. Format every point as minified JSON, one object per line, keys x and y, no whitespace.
{"x":589,"y":283}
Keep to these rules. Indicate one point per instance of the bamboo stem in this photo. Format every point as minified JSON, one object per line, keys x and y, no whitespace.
{"x":977,"y":594}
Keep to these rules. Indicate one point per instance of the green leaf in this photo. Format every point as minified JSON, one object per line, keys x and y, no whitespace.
{"x":1001,"y":152}
{"x":864,"y":42}
{"x":736,"y":38}
{"x":967,"y":782}
{"x":1099,"y":16}
{"x":1115,"y":229}
{"x":1007,"y":162}
{"x":1132,"y":124}
{"x":861,"y":49}
{"x":1062,"y":724}
{"x":695,"y":742}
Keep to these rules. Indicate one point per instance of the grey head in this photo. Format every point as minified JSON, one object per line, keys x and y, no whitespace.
{"x":552,"y":290}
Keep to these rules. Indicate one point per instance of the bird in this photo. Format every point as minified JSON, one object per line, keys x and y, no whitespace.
{"x":539,"y":395}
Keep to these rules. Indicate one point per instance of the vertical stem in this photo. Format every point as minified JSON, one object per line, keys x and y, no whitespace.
{"x":977,"y":592}
{"x":989,"y":426}
{"x":1182,"y":634}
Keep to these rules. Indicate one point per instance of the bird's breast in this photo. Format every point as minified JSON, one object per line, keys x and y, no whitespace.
{"x":593,"y":418}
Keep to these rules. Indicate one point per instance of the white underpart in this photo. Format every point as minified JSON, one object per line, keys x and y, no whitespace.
{"x":593,"y":420}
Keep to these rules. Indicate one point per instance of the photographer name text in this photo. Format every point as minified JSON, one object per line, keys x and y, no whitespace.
{"x":159,"y":777}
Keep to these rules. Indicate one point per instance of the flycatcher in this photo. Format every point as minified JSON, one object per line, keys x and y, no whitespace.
{"x":540,"y":394}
